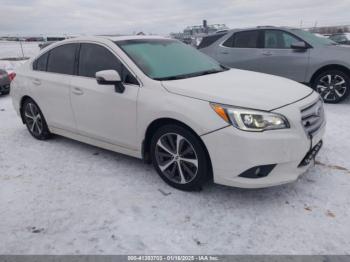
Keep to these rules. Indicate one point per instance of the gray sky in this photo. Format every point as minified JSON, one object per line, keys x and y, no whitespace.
{"x":161,"y":16}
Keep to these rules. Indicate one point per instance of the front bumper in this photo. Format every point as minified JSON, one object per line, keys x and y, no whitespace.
{"x":233,"y":151}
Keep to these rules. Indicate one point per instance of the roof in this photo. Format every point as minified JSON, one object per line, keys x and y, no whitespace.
{"x":111,"y":38}
{"x":133,"y":37}
{"x":262,"y":27}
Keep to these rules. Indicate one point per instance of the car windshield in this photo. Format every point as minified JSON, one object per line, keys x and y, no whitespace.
{"x":313,"y":39}
{"x":166,"y":59}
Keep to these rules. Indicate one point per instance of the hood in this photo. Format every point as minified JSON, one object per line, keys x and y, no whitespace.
{"x":336,"y":49}
{"x":241,"y":88}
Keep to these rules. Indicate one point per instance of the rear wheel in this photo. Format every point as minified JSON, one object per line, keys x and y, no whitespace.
{"x":333,"y":85}
{"x":35,"y":121}
{"x":179,"y":158}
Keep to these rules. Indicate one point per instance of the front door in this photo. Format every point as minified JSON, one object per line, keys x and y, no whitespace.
{"x":102,"y":113}
{"x":278,"y":58}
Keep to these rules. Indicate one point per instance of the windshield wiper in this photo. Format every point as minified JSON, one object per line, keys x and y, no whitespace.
{"x":208,"y":72}
{"x":170,"y":78}
{"x":202,"y":73}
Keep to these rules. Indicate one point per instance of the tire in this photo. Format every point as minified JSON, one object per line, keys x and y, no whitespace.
{"x":180,"y":158}
{"x":333,"y":85}
{"x":35,"y":120}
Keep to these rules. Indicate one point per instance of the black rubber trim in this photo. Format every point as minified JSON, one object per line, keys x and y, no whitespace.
{"x":311,"y":154}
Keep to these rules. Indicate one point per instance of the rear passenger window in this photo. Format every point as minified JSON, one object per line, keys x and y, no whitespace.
{"x":40,"y":64}
{"x":61,"y":59}
{"x":208,"y":40}
{"x":94,"y":58}
{"x":245,"y":39}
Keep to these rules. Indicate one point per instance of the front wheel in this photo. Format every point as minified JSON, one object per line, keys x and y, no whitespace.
{"x":179,"y":158}
{"x":333,"y":86}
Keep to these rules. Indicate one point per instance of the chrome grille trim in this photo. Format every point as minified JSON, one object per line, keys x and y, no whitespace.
{"x":313,"y":117}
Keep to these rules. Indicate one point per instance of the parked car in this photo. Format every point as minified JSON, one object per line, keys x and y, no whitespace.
{"x":166,"y":102}
{"x":288,"y":52}
{"x":5,"y":80}
{"x":341,"y":38}
{"x":321,"y":35}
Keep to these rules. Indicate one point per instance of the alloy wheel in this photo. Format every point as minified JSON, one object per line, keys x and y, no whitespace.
{"x":176,"y":158}
{"x":33,"y":119}
{"x":332,"y":87}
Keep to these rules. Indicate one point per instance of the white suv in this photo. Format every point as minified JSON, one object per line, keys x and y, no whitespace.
{"x":163,"y":101}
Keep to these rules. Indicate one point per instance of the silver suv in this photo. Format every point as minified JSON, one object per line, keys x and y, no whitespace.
{"x":288,"y":52}
{"x":341,"y":38}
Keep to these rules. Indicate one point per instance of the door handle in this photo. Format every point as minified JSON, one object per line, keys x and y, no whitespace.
{"x":224,"y":52}
{"x":77,"y":91}
{"x":36,"y":82}
{"x":267,"y":53}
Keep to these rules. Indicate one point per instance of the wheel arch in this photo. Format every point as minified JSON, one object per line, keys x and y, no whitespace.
{"x":155,"y":125}
{"x":329,"y":67}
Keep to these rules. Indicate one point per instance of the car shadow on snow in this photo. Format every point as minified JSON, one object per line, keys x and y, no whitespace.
{"x":210,"y":190}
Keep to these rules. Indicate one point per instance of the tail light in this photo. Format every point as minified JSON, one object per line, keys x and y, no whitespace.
{"x":12,"y":75}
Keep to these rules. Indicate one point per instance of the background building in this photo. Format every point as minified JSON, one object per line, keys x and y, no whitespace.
{"x":194,"y":34}
{"x":328,"y":30}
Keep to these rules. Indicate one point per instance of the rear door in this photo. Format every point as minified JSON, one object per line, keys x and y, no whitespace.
{"x":241,"y":50}
{"x":102,"y":113}
{"x":278,"y":58}
{"x":50,"y":85}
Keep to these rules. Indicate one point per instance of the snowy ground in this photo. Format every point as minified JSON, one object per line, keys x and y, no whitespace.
{"x":65,"y":197}
{"x":13,"y":49}
{"x":9,"y":49}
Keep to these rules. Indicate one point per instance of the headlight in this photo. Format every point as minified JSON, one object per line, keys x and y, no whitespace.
{"x":250,"y":120}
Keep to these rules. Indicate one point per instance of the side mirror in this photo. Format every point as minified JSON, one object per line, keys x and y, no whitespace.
{"x":299,"y":46}
{"x":110,"y":77}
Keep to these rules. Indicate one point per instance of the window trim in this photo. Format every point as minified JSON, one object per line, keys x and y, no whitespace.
{"x":262,"y":38}
{"x":79,"y":42}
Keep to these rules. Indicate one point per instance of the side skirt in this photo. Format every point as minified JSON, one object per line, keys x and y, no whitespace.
{"x":94,"y":142}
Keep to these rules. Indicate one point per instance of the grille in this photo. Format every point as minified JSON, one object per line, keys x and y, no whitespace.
{"x":313,"y":117}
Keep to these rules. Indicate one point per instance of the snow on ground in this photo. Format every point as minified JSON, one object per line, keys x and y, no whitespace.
{"x":65,"y":197}
{"x":13,"y":49}
{"x":10,"y":49}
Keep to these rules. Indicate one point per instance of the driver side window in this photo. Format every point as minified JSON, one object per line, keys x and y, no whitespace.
{"x":277,"y":39}
{"x":94,"y":58}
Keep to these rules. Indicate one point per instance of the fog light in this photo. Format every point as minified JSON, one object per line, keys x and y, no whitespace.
{"x":258,"y":171}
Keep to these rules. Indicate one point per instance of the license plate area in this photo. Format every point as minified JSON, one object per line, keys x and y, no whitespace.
{"x":311,"y":154}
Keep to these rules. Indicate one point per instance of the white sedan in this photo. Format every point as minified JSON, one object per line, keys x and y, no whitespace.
{"x":163,"y":101}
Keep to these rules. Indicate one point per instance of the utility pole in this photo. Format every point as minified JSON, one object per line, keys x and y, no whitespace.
{"x":20,"y":42}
